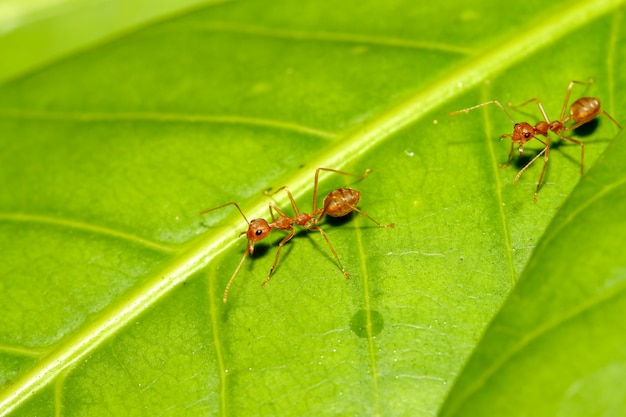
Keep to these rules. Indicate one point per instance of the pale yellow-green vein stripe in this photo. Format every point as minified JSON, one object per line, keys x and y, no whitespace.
{"x":552,"y":232}
{"x":58,"y":395}
{"x":301,"y":35}
{"x":611,"y":54}
{"x":371,"y":134}
{"x":163,"y":117}
{"x":111,"y":321}
{"x":569,"y":315}
{"x":217,"y":343}
{"x":86,"y":227}
{"x":368,"y":316}
{"x":20,"y":350}
{"x":499,"y":197}
{"x":483,"y":67}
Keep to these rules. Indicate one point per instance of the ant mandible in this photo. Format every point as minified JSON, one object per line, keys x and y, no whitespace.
{"x":337,"y":203}
{"x":582,"y":111}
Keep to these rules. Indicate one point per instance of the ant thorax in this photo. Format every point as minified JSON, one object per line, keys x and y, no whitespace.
{"x":581,"y":111}
{"x":339,"y":202}
{"x":304,"y":219}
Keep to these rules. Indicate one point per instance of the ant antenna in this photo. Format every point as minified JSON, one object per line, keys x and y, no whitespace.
{"x":581,"y":112}
{"x":258,"y":229}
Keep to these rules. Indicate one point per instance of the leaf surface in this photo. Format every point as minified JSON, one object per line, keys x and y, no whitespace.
{"x":112,"y":281}
{"x":557,"y":340}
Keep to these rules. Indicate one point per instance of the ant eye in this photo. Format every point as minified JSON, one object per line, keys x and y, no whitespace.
{"x":344,"y":201}
{"x":581,"y":112}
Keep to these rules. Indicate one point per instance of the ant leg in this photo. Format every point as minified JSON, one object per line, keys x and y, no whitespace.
{"x":543,"y":152}
{"x":317,"y":171}
{"x":569,"y":92}
{"x":276,"y":191}
{"x":319,"y":229}
{"x":611,"y":118}
{"x":582,"y":150}
{"x":232,"y":278}
{"x":532,"y":100}
{"x":293,"y":201}
{"x":543,"y":170}
{"x":224,"y":205}
{"x":508,"y":160}
{"x":582,"y":122}
{"x":496,"y":102}
{"x":272,"y":212}
{"x":280,"y":246}
{"x":364,"y":214}
{"x":273,"y":207}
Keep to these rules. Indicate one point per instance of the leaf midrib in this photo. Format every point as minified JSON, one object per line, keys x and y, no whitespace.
{"x":356,"y":144}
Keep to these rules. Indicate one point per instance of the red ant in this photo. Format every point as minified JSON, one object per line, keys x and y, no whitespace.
{"x":582,"y":111}
{"x":337,"y":203}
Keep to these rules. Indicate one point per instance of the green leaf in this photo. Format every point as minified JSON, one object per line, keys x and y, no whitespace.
{"x":37,"y":32}
{"x":111,"y":281}
{"x":558,"y":342}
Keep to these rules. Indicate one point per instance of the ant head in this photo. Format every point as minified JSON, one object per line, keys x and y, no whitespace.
{"x":257,"y":230}
{"x":522,"y":133}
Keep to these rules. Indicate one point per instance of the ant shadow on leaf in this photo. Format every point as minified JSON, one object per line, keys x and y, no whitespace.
{"x":587,"y":129}
{"x":337,"y":204}
{"x":582,"y":114}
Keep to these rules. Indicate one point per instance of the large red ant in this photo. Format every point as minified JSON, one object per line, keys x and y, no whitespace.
{"x":337,"y":203}
{"x":582,"y":111}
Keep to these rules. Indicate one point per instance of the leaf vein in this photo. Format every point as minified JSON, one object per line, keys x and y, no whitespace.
{"x":164,"y":117}
{"x":302,"y":35}
{"x":597,"y":300}
{"x":86,"y":227}
{"x":499,"y":197}
{"x":217,"y":342}
{"x":368,"y":314}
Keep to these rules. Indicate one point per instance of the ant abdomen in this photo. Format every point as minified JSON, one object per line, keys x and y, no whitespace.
{"x":584,"y":110}
{"x":341,"y":201}
{"x":581,"y":111}
{"x":337,"y":203}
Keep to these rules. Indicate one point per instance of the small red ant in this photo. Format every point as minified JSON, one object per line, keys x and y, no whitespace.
{"x":582,"y":111}
{"x":337,"y":203}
